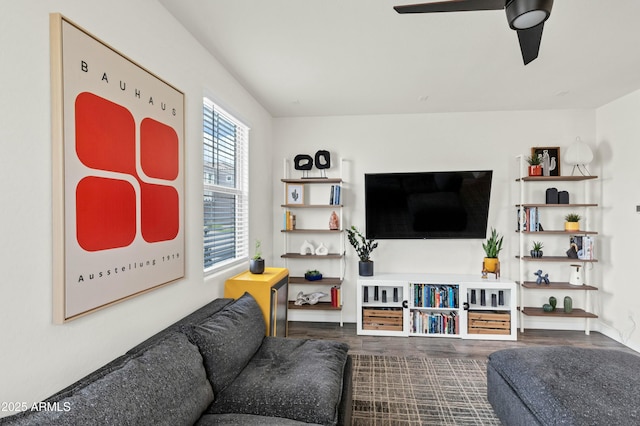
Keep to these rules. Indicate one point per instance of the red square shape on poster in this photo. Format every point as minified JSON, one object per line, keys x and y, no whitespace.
{"x":105,"y":134}
{"x":105,"y":213}
{"x":158,"y":150}
{"x":160,"y":212}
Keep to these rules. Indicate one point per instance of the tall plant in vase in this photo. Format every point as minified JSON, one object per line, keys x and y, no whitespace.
{"x":363,"y":247}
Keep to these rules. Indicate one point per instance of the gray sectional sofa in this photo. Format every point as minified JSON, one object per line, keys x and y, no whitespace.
{"x":562,"y":385}
{"x":214,"y":367}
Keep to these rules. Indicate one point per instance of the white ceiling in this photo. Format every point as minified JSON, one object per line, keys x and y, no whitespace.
{"x":344,"y":57}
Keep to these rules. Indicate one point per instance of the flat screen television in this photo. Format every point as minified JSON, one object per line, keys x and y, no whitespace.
{"x":421,"y":205}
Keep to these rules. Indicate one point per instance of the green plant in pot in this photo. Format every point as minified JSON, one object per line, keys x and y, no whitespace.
{"x":492,"y":249}
{"x":535,"y":168}
{"x":363,"y":247}
{"x":256,"y":264}
{"x":536,"y":249}
{"x":572,"y":222}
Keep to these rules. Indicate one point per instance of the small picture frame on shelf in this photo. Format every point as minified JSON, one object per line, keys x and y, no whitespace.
{"x":554,"y":158}
{"x":295,"y":193}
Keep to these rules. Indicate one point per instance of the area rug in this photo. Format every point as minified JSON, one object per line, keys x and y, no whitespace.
{"x":391,"y":390}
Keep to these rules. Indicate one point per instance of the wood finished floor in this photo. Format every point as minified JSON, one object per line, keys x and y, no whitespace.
{"x":444,"y":347}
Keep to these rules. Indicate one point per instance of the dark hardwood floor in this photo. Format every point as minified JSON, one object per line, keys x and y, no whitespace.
{"x":441,"y":346}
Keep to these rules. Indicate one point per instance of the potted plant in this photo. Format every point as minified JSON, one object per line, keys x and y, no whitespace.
{"x":312,"y":275}
{"x":256,"y":264}
{"x":572,"y":222}
{"x":535,"y":168}
{"x":492,"y":249}
{"x":536,"y":250}
{"x":363,"y":248}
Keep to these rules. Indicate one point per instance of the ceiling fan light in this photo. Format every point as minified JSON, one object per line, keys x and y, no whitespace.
{"x":529,"y":19}
{"x":524,"y":14}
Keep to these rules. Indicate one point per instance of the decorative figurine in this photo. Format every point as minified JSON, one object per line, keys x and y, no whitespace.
{"x":309,"y":299}
{"x":568,"y":304}
{"x":322,"y":250}
{"x":541,"y":277}
{"x":307,"y":248}
{"x":334,"y":222}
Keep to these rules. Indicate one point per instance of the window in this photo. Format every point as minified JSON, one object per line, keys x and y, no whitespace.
{"x":226,"y":188}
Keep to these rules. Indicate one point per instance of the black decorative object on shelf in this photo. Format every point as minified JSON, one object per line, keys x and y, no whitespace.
{"x":395,"y":294}
{"x":323,"y":159}
{"x":552,"y":196}
{"x":303,"y":162}
{"x":563,"y":197}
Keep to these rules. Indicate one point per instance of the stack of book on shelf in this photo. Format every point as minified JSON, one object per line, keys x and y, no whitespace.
{"x":336,"y":296}
{"x":435,"y":296}
{"x":529,"y":220}
{"x":433,"y":322}
{"x":289,"y":223}
{"x":584,"y":246}
{"x":336,"y":193}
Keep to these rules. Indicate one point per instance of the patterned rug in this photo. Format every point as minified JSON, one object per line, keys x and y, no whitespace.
{"x":390,"y":390}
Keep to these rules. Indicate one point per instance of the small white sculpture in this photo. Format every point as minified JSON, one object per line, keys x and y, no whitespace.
{"x":307,"y":248}
{"x":322,"y":250}
{"x":579,"y":155}
{"x":309,"y":299}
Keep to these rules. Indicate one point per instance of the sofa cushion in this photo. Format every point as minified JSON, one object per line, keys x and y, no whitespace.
{"x":245,"y":420}
{"x":297,"y":379}
{"x":164,"y":385}
{"x":228,"y":340}
{"x":573,"y":385}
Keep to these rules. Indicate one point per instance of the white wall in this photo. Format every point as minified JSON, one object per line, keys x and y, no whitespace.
{"x":38,"y":358}
{"x":425,"y":142}
{"x":618,"y":136}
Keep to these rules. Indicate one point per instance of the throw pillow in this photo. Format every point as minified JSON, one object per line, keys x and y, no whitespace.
{"x":229,"y":339}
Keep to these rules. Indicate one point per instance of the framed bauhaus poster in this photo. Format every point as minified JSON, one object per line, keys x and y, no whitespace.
{"x":118,"y":175}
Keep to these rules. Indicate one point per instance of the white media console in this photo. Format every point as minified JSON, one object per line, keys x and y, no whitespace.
{"x":437,"y":305}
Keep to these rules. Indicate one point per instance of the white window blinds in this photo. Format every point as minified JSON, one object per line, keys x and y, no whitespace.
{"x":226,"y":188}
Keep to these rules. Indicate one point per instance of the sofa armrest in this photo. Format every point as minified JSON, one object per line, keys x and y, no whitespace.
{"x":346,"y":402}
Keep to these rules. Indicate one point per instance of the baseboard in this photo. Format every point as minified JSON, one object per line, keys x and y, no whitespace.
{"x":614,"y":334}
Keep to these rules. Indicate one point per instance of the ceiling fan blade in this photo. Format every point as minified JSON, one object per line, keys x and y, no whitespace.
{"x":530,"y":42}
{"x":452,"y":6}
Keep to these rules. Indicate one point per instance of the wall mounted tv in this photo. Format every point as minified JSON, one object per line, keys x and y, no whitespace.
{"x":421,"y":205}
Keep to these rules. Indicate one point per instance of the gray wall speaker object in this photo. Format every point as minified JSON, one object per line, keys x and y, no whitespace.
{"x":563,"y":197}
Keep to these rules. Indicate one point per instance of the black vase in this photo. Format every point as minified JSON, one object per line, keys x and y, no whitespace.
{"x":256,"y":266}
{"x":365,"y":269}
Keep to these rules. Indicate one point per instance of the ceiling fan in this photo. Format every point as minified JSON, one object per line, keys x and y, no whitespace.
{"x":525,"y":16}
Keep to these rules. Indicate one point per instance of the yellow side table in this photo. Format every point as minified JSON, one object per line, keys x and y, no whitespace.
{"x":270,"y":289}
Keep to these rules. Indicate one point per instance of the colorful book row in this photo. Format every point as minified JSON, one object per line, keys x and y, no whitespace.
{"x":336,"y":296}
{"x":433,"y":322}
{"x":336,"y":195}
{"x":289,"y":221}
{"x":584,"y":246}
{"x":529,"y":220}
{"x":435,"y":296}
